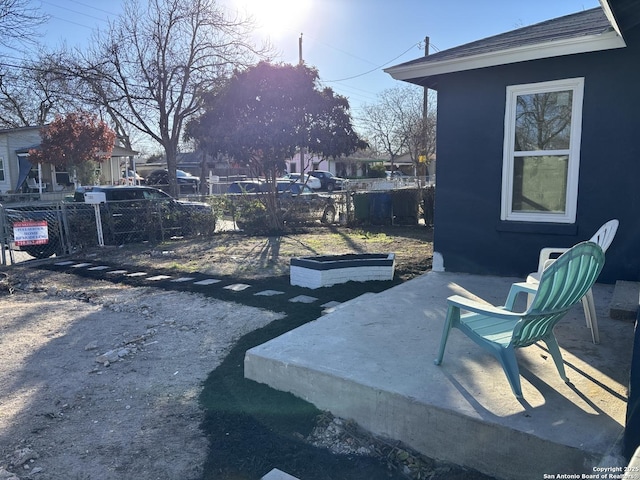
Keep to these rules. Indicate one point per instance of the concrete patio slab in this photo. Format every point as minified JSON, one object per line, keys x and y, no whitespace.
{"x":371,"y":360}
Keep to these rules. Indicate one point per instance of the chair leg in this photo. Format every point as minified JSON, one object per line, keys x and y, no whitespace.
{"x":554,"y":350}
{"x":509,"y":363}
{"x":590,"y":314}
{"x":453,"y":317}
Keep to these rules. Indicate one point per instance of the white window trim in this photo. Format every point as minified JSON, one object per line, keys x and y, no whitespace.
{"x":571,"y":201}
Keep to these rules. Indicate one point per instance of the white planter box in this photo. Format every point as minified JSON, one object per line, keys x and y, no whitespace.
{"x":324,"y":271}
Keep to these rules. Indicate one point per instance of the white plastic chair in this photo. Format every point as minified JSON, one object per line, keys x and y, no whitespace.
{"x":603,"y":237}
{"x":33,"y":184}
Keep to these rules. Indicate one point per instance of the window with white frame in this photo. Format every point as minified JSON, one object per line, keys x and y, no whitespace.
{"x":543,"y":123}
{"x":1,"y":169}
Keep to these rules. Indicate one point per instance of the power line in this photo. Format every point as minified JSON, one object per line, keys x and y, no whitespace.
{"x":374,"y":69}
{"x":92,"y":6}
{"x":102,"y":19}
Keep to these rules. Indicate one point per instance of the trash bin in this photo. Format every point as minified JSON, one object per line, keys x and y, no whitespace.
{"x":405,"y":207}
{"x":381,"y":208}
{"x":361,"y":208}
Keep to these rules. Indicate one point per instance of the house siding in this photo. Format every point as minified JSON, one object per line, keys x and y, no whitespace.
{"x":10,"y":141}
{"x":471,"y":105}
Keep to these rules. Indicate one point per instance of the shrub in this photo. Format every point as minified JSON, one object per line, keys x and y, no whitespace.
{"x":377,"y":170}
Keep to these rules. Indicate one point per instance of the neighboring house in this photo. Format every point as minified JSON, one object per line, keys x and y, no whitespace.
{"x":17,"y":173}
{"x":13,"y":141}
{"x":193,"y":162}
{"x":406,"y":165}
{"x":537,"y":142}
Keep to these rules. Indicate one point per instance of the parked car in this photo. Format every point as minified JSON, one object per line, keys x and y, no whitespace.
{"x":129,"y":177}
{"x":328,"y":181}
{"x":128,"y":214}
{"x":312,"y":182}
{"x":187,"y":183}
{"x":136,"y":192}
{"x":245,"y":186}
{"x":300,"y":202}
{"x":396,"y":174}
{"x":297,"y":201}
{"x":292,"y":188}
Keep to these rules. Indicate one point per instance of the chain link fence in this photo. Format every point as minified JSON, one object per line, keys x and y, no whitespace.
{"x":45,"y":229}
{"x":42,"y":229}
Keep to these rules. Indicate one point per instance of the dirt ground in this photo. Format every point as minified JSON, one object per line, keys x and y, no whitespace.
{"x":100,"y":380}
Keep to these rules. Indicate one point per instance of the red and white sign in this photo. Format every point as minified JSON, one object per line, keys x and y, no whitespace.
{"x":31,"y":233}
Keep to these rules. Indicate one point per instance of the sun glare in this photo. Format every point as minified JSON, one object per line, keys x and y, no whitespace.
{"x":275,"y":17}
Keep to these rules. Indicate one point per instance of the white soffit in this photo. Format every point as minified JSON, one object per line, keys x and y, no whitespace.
{"x":592,"y":43}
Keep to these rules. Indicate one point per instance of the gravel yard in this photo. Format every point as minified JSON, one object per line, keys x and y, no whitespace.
{"x":101,"y":381}
{"x":104,"y":380}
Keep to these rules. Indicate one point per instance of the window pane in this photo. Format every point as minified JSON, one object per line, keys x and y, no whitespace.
{"x":1,"y":170}
{"x":543,"y":121}
{"x":540,"y":184}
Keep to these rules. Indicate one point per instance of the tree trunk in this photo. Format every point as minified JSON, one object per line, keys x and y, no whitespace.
{"x":171,"y":152}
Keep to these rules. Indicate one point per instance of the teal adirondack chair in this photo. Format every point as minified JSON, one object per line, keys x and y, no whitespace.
{"x":500,"y":330}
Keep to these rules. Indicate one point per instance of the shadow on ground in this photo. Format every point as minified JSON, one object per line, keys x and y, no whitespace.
{"x":253,"y":428}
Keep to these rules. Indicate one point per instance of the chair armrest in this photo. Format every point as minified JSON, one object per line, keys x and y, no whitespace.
{"x":549,"y":253}
{"x":519,"y":287}
{"x":478,"y":307}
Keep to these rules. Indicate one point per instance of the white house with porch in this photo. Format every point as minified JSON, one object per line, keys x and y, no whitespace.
{"x":19,"y":175}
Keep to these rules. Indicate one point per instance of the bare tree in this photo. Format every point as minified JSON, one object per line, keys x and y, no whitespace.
{"x":396,"y":125}
{"x":421,"y":129}
{"x":19,"y":22}
{"x":151,"y":69}
{"x":33,"y":92}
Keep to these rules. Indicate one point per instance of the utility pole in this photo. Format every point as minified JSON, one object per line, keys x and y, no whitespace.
{"x":425,"y":115}
{"x":426,"y":89}
{"x":301,"y":62}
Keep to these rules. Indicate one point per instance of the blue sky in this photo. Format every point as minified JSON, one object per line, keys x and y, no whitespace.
{"x":349,"y":41}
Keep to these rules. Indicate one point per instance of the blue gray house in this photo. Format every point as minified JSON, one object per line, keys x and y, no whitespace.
{"x":538,"y":141}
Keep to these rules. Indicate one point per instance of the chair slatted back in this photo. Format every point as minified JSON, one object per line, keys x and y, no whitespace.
{"x":605,"y":234}
{"x":562,"y":285}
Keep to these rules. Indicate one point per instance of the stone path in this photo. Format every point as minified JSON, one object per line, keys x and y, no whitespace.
{"x":151,"y":278}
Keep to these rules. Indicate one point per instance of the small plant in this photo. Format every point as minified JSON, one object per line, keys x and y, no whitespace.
{"x":377,"y":170}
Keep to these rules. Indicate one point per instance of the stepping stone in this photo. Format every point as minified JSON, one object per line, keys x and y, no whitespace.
{"x":269,"y":293}
{"x":276,"y":474}
{"x":80,"y":265}
{"x":116,"y":272}
{"x":159,"y":277}
{"x":137,"y":274}
{"x":183,"y":279}
{"x":330,"y":304}
{"x":63,"y":264}
{"x":303,"y":299}
{"x":207,"y":281}
{"x":99,"y":267}
{"x":330,"y":307}
{"x":237,"y":287}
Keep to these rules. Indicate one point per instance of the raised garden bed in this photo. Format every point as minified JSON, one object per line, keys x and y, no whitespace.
{"x":327,"y":270}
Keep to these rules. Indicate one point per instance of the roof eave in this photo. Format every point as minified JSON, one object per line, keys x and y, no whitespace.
{"x":585,"y":44}
{"x":606,"y":8}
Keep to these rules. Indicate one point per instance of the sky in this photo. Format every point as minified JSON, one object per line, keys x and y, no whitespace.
{"x":350,"y":42}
